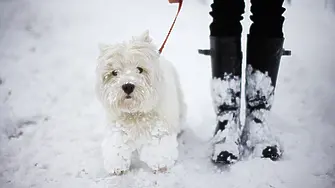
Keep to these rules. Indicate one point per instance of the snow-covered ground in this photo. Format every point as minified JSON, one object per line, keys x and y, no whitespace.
{"x":51,"y":123}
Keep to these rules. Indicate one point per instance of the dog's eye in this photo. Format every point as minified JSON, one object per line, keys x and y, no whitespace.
{"x":109,"y":75}
{"x":140,"y":69}
{"x":114,"y":73}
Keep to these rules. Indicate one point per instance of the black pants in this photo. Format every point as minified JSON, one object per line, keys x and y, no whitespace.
{"x":266,"y":17}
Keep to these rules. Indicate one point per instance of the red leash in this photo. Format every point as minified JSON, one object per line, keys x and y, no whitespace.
{"x":179,"y":8}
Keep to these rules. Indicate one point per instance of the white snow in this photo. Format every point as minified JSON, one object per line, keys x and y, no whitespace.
{"x":48,"y":54}
{"x":260,"y":84}
{"x":225,"y":86}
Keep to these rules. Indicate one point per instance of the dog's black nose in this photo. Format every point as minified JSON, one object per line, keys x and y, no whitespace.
{"x":128,"y":88}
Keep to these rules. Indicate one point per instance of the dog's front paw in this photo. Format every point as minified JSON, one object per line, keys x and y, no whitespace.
{"x":160,"y":165}
{"x":160,"y":155}
{"x":160,"y":170}
{"x":117,"y":156}
{"x":116,"y":166}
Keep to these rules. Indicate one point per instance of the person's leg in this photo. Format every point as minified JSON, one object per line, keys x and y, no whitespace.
{"x":267,"y":17}
{"x":226,"y":15}
{"x":226,"y":58}
{"x":264,"y":51}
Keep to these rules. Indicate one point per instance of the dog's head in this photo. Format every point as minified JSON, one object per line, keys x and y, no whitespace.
{"x":128,"y":75}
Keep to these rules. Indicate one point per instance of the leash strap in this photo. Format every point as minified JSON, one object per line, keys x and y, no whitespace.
{"x":174,"y":21}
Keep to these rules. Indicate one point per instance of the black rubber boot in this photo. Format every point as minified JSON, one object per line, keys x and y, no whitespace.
{"x":226,"y":59}
{"x":263,"y":60}
{"x":264,"y":52}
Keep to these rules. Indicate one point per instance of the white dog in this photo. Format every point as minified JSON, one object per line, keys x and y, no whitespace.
{"x":142,"y":97}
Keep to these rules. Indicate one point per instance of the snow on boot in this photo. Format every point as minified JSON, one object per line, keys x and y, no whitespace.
{"x":263,"y":59}
{"x":226,"y":61}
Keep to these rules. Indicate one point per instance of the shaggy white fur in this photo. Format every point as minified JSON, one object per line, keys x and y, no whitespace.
{"x":143,"y":100}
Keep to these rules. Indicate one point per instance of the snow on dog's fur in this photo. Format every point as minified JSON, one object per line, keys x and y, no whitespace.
{"x":142,"y":97}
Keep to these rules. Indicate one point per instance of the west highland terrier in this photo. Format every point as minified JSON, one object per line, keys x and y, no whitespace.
{"x":141,"y":94}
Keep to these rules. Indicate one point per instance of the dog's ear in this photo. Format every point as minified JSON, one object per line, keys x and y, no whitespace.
{"x":144,"y":37}
{"x":103,"y":47}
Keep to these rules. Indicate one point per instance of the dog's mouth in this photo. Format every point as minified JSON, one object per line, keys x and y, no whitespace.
{"x":128,"y":97}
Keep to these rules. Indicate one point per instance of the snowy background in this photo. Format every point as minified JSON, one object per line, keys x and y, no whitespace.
{"x":51,"y":122}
